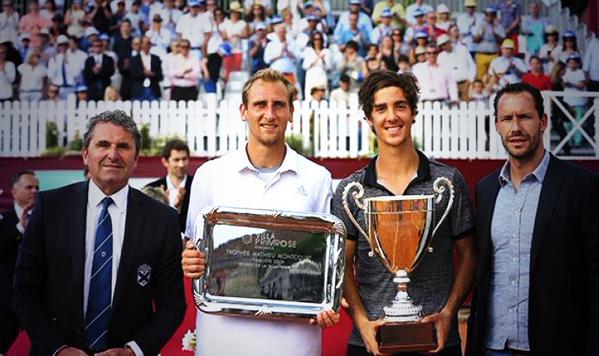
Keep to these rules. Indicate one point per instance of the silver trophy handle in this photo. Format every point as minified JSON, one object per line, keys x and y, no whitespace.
{"x":357,"y":195}
{"x":439,"y":190}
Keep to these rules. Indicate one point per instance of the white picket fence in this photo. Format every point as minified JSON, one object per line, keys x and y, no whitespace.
{"x":333,"y":129}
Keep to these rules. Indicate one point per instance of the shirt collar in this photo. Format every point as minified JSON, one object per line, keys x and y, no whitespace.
{"x":171,"y":185}
{"x":423,"y":173}
{"x":289,"y":161}
{"x":18,"y":210}
{"x":95,"y":196}
{"x":539,"y":172}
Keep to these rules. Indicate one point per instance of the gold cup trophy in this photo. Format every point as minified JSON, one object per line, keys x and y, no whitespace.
{"x":398,"y":232}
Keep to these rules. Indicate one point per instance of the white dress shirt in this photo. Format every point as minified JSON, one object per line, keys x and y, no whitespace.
{"x":436,"y":83}
{"x":73,"y":69}
{"x":32,"y":78}
{"x":192,"y":28}
{"x":297,"y":185}
{"x":591,"y":60}
{"x":458,"y":62}
{"x":173,"y":191}
{"x":7,"y":76}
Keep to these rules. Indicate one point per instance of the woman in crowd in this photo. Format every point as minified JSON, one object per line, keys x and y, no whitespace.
{"x":570,"y":46}
{"x":255,"y":17}
{"x":316,"y":61}
{"x":388,"y":54}
{"x":551,"y":50}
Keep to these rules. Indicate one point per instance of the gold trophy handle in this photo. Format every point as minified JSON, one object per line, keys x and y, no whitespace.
{"x":439,"y":192}
{"x":357,"y":195}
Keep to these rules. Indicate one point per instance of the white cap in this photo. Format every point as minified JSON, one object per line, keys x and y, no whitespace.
{"x":90,"y":31}
{"x":443,"y":39}
{"x":442,"y":9}
{"x":62,"y":39}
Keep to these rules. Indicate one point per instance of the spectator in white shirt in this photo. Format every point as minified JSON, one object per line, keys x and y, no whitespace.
{"x":137,"y":19}
{"x":194,"y":27}
{"x":169,"y":14}
{"x":507,"y":68}
{"x":436,"y":83}
{"x":591,"y":64}
{"x":159,"y":36}
{"x":443,"y":17}
{"x":466,"y":22}
{"x":316,"y":60}
{"x":417,"y":5}
{"x":550,"y":51}
{"x":281,"y":54}
{"x":185,"y":72}
{"x":342,"y":93}
{"x":456,"y":59}
{"x":574,"y":82}
{"x":7,"y":76}
{"x":9,"y":22}
{"x":74,"y":19}
{"x":234,"y":31}
{"x":63,"y":69}
{"x":33,"y":75}
{"x":384,"y":28}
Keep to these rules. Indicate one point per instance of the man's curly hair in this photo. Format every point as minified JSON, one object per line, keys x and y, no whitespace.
{"x":380,"y":79}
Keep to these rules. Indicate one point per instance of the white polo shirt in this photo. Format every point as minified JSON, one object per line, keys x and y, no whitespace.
{"x":297,"y":185}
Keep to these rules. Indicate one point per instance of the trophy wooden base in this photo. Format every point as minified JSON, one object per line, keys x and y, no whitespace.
{"x":410,"y":336}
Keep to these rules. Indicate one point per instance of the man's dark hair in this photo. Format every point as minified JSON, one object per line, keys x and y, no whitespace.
{"x":380,"y":79}
{"x":15,"y":178}
{"x":174,"y":145}
{"x":520,"y":87}
{"x":352,"y":44}
{"x":344,"y":78}
{"x":117,"y":118}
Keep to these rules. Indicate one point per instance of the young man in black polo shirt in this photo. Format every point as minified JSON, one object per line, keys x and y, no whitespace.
{"x":389,"y":103}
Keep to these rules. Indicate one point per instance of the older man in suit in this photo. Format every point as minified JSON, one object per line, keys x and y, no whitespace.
{"x":98,"y":270}
{"x":13,"y":222}
{"x":537,"y":283}
{"x":146,"y":73}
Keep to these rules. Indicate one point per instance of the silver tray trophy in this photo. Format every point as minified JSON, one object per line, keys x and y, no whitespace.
{"x":398,"y":233}
{"x":271,"y":264}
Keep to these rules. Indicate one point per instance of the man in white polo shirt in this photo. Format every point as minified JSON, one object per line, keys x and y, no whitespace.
{"x":265,"y":174}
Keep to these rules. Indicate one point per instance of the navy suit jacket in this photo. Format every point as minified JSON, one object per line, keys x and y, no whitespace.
{"x":563,"y":309}
{"x":10,"y":238}
{"x":49,"y":276}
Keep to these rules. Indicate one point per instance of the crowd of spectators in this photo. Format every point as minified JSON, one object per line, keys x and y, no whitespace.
{"x":177,"y":49}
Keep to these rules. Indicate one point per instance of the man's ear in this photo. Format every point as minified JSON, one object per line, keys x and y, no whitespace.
{"x":243,"y":110}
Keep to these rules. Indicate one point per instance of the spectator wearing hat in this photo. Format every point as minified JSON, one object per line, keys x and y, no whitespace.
{"x":33,"y":23}
{"x":487,"y":35}
{"x":431,"y":27}
{"x":507,"y":68}
{"x":169,"y":14}
{"x":535,"y":76}
{"x":234,"y":31}
{"x":272,"y":23}
{"x":456,"y":59}
{"x":318,"y":93}
{"x":510,"y":17}
{"x":353,"y":33}
{"x":466,"y":22}
{"x":185,"y":72}
{"x":397,"y":12}
{"x":574,"y":81}
{"x":282,"y":54}
{"x":89,"y":36}
{"x":443,"y":17}
{"x":533,"y":27}
{"x":418,"y":25}
{"x":550,"y":51}
{"x":257,"y":47}
{"x":417,"y":6}
{"x":7,"y":76}
{"x":570,"y":46}
{"x":247,"y":4}
{"x":312,"y":19}
{"x":316,"y":61}
{"x":74,"y":19}
{"x":591,"y":65}
{"x":384,"y":28}
{"x":194,"y":27}
{"x":342,"y":93}
{"x":159,"y":36}
{"x":32,"y":75}
{"x":24,"y":46}
{"x":81,"y":92}
{"x":421,"y":39}
{"x":364,"y":22}
{"x":63,"y":70}
{"x":315,"y":24}
{"x":436,"y":83}
{"x":146,"y":73}
{"x":418,"y":56}
{"x":9,"y":22}
{"x":99,"y":67}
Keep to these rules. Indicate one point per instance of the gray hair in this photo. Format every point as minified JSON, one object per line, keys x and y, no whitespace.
{"x":118,"y":118}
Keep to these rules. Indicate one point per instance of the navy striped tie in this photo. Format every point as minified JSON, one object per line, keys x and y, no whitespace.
{"x":99,"y":299}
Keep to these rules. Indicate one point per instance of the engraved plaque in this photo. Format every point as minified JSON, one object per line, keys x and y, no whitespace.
{"x":270,"y":263}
